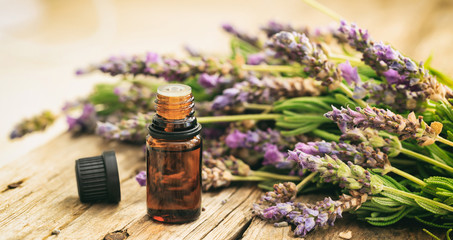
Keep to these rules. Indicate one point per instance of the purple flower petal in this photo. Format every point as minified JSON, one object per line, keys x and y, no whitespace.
{"x":349,"y":73}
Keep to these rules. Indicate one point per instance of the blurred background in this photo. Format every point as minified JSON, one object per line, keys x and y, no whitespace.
{"x":43,"y":42}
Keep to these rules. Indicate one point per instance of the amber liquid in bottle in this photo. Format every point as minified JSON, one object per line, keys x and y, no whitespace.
{"x":174,"y":158}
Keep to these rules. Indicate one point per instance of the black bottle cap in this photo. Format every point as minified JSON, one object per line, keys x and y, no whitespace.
{"x":97,"y":178}
{"x":177,"y":135}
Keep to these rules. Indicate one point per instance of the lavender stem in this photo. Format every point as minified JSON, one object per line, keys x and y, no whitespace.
{"x":271,"y":68}
{"x":248,"y":178}
{"x":234,"y":118}
{"x":407,"y":176}
{"x":445,"y":141}
{"x":326,"y":135}
{"x":426,"y":159}
{"x":275,"y":176}
{"x":254,"y":106}
{"x":338,"y":57}
{"x":324,"y":9}
{"x":349,"y":93}
{"x":305,"y":181}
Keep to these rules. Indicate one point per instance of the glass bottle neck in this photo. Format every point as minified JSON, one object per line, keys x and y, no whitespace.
{"x":174,"y":108}
{"x":174,"y":113}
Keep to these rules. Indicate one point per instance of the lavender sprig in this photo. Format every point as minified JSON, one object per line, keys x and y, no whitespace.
{"x":380,"y":119}
{"x":308,"y":217}
{"x":270,"y":143}
{"x":81,"y":116}
{"x":131,"y":130}
{"x":408,"y":85}
{"x":298,"y":48}
{"x":252,"y":40}
{"x":361,"y":154}
{"x":170,"y":69}
{"x":37,"y":123}
{"x":135,"y":98}
{"x":273,"y":27}
{"x":332,"y":169}
{"x":265,"y":91}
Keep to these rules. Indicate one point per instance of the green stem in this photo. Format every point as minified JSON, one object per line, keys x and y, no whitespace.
{"x":275,"y":176}
{"x":326,"y":135}
{"x":407,"y":176}
{"x":234,"y":118}
{"x":271,"y":68}
{"x":354,"y":61}
{"x":349,"y":93}
{"x":417,"y":197}
{"x":324,"y":10}
{"x":248,"y":178}
{"x":445,"y":141}
{"x":426,"y":159}
{"x":403,"y":162}
{"x":255,"y":106}
{"x":305,"y":181}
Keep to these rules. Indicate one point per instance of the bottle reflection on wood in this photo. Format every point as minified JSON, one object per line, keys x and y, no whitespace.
{"x":174,"y":157}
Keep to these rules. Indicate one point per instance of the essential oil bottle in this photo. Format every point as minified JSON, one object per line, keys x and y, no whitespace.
{"x":173,"y":156}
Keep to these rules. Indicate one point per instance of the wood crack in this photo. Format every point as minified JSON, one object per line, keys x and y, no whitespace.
{"x":228,"y":214}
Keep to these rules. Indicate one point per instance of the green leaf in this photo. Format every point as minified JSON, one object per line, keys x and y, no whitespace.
{"x":385,"y":221}
{"x":385,"y":201}
{"x":402,"y":199}
{"x":442,"y":182}
{"x":104,"y":95}
{"x":367,"y":71}
{"x":344,"y":101}
{"x":302,"y":130}
{"x":449,"y":201}
{"x":429,"y":207}
{"x":431,"y":223}
{"x":441,"y":154}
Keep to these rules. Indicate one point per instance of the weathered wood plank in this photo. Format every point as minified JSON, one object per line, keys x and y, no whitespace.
{"x":218,"y":221}
{"x":47,"y":199}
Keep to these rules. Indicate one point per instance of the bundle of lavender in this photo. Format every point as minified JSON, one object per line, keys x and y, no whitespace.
{"x":302,"y":109}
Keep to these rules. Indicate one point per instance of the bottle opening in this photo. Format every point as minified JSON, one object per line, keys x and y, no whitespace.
{"x":174,"y":90}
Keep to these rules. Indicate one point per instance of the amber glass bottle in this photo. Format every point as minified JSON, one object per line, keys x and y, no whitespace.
{"x":173,"y":152}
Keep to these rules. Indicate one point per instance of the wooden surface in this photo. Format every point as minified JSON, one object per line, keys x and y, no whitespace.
{"x":45,"y":200}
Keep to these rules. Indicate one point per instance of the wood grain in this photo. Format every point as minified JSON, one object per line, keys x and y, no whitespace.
{"x":46,"y":201}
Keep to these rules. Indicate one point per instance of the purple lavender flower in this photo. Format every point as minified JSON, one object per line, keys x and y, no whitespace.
{"x":252,"y":40}
{"x":270,"y":144}
{"x":265,"y":91}
{"x":129,"y":130}
{"x":361,"y":154}
{"x":80,"y":116}
{"x":209,"y":81}
{"x":408,"y":85}
{"x":308,"y":217}
{"x":392,"y":76}
{"x":273,"y":27}
{"x":235,"y":139}
{"x":37,"y":123}
{"x":332,"y":169}
{"x":295,"y":47}
{"x":272,"y":155}
{"x":256,"y":59}
{"x":141,"y":178}
{"x":135,"y":98}
{"x":170,"y":69}
{"x":386,"y":120}
{"x":349,"y":73}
